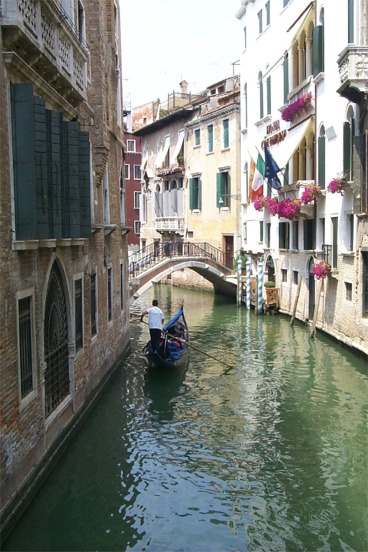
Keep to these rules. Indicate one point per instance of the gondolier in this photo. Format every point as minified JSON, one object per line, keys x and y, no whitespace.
{"x":155,"y":320}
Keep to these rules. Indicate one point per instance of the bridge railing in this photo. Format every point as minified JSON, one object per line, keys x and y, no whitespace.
{"x":155,"y":253}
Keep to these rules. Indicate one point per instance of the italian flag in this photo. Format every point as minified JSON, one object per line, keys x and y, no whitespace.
{"x":256,"y":177}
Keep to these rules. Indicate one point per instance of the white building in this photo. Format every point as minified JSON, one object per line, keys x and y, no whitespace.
{"x":304,"y":73}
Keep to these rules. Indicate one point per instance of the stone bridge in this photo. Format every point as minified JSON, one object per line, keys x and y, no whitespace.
{"x":154,"y":263}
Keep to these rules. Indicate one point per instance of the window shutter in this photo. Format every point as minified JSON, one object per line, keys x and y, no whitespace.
{"x":220,"y":191}
{"x":199,"y":194}
{"x":318,"y":50}
{"x":268,"y":83}
{"x":286,"y":78}
{"x":261,"y":99}
{"x":53,"y":133}
{"x":191,"y":194}
{"x":347,"y":149}
{"x":350,"y":21}
{"x":23,"y":133}
{"x":322,"y":162}
{"x":84,"y":183}
{"x":42,"y":191}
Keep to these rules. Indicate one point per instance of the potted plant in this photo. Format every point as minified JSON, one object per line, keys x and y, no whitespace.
{"x":269,"y":284}
{"x":337,"y":185}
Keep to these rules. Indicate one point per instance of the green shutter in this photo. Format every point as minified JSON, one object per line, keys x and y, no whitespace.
{"x":318,"y":50}
{"x":84,"y":184}
{"x":261,"y":99}
{"x":347,"y":149}
{"x":351,"y":21}
{"x":23,"y":134}
{"x":226,"y":133}
{"x":73,"y":173}
{"x":54,"y":171}
{"x":322,"y":162}
{"x":219,"y":190}
{"x":199,"y":194}
{"x":191,"y":194}
{"x":286,"y":78}
{"x":268,"y":83}
{"x":42,"y":188}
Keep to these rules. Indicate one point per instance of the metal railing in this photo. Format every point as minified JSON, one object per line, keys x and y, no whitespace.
{"x":155,"y":253}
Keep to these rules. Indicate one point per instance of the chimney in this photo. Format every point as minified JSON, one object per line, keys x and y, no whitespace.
{"x":184,"y":88}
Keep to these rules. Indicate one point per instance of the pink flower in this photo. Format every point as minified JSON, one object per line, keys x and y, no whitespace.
{"x":336,"y":186}
{"x":310,"y":194}
{"x":321,"y":269}
{"x":293,"y":109}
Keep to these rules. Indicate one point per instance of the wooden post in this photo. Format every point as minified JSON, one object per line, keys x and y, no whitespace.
{"x":296,"y":302}
{"x":313,"y":328}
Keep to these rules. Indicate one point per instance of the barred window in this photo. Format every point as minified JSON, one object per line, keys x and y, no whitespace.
{"x":25,"y":345}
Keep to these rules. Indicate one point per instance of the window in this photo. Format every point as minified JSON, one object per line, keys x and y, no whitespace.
{"x":137,"y":172}
{"x":210,"y":138}
{"x":268,"y":13}
{"x":137,"y":196}
{"x":121,"y":285}
{"x":245,"y":37}
{"x":223,"y":189}
{"x":197,"y":137}
{"x":284,"y":235}
{"x":195,"y":193}
{"x":309,"y":230}
{"x":245,"y":106}
{"x":81,"y":23}
{"x":322,"y":158}
{"x":106,"y":198}
{"x":93,"y":304}
{"x":225,"y":130}
{"x":78,"y":313}
{"x":137,"y":227}
{"x":268,"y":234}
{"x":25,"y":345}
{"x":261,"y":231}
{"x":127,"y":172}
{"x":350,"y":232}
{"x":348,"y":136}
{"x":109,"y":294}
{"x":295,"y":277}
{"x":283,"y":275}
{"x":131,"y":145}
{"x":348,"y":291}
{"x":260,"y":26}
{"x":295,"y":228}
{"x":318,"y":50}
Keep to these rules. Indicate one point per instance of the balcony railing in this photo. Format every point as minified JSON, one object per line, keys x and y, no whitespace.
{"x":353,"y":69}
{"x":170,"y":224}
{"x":40,"y":35}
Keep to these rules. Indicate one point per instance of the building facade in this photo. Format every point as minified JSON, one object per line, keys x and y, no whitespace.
{"x":132,"y":170}
{"x":304,"y":128}
{"x":64,"y":294}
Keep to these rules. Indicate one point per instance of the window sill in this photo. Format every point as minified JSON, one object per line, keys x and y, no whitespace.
{"x":29,"y":245}
{"x":264,"y":119}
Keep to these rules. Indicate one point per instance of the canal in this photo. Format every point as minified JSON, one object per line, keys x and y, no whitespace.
{"x":261,"y":446}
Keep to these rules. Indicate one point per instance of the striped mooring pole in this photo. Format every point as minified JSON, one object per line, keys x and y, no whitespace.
{"x":260,"y":285}
{"x":247,"y":283}
{"x":239,"y":283}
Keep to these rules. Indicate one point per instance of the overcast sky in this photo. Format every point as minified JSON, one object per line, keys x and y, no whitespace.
{"x":166,"y":41}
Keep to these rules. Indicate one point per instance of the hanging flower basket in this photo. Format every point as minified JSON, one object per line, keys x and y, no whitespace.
{"x":311,"y":193}
{"x":321,"y":269}
{"x":169,"y":170}
{"x":337,"y":185}
{"x":295,"y":108}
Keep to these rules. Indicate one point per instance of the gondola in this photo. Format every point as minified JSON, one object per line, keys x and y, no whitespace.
{"x":173,"y":351}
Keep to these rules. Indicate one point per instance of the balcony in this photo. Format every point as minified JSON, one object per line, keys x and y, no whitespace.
{"x":41,"y":43}
{"x":170,"y":224}
{"x":353,"y":69}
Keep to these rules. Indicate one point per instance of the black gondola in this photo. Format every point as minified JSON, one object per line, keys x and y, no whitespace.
{"x":173,"y":351}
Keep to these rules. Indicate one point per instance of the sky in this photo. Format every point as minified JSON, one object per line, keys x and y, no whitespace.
{"x":167,"y":41}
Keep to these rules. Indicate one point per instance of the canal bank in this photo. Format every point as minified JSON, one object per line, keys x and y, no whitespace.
{"x":270,"y":454}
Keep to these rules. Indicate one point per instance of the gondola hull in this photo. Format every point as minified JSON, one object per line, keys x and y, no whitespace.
{"x":173,"y":352}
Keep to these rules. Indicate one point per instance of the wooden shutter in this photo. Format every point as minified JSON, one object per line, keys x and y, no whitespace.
{"x":199,"y":194}
{"x":286,"y":78}
{"x":318,"y":50}
{"x":54,"y":170}
{"x":191,"y":194}
{"x":347,"y":149}
{"x":261,"y":99}
{"x":42,"y":188}
{"x":84,"y":184}
{"x":219,"y":190}
{"x":268,"y":84}
{"x":322,"y":162}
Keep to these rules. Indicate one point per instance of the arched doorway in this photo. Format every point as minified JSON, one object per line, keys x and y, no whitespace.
{"x":55,"y":343}
{"x":312,"y":290}
{"x":270,"y":269}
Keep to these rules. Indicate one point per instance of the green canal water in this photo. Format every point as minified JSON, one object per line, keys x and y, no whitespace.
{"x":261,"y":446}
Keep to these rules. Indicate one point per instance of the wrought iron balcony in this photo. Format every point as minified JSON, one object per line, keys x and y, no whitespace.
{"x":41,"y":41}
{"x":353,"y":69}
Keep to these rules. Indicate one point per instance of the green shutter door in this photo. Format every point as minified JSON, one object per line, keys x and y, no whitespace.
{"x":84,"y":184}
{"x":318,"y":50}
{"x":23,"y":135}
{"x":321,"y":162}
{"x":42,"y":191}
{"x":54,"y":121}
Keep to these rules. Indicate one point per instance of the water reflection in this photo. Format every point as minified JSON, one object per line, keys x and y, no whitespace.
{"x":269,"y":455}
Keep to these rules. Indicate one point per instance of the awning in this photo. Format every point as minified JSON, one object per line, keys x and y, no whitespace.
{"x":284,"y":150}
{"x":162,"y":154}
{"x":178,"y":145}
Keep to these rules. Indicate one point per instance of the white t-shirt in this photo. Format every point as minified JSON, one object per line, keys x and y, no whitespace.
{"x":155,"y":318}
